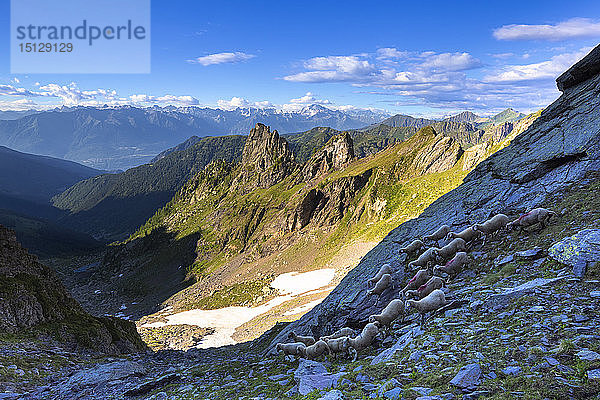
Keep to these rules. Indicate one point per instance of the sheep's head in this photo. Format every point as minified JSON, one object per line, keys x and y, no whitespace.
{"x":292,"y":335}
{"x":345,"y":343}
{"x":410,"y":303}
{"x":371,"y":318}
{"x":476,"y":227}
{"x":411,"y":294}
{"x":278,"y":347}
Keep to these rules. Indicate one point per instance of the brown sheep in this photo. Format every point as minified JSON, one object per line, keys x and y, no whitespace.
{"x":307,"y":340}
{"x":424,"y":290}
{"x":535,"y":216}
{"x":453,"y":266}
{"x":381,"y":285}
{"x":437,"y":235}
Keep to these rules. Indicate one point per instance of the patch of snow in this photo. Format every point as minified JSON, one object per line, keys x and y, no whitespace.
{"x":226,"y":320}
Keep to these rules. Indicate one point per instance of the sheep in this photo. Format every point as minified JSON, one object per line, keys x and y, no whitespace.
{"x":437,"y":235}
{"x":385,"y":269}
{"x":340,"y":333}
{"x":424,"y":290}
{"x":315,"y":351}
{"x":307,"y":340}
{"x":290,"y":349}
{"x":413,"y":247}
{"x":424,"y":259}
{"x":467,"y":235}
{"x":381,"y":285}
{"x":420,"y":278}
{"x":391,"y":312}
{"x":339,"y":345}
{"x":364,"y":340}
{"x":497,"y":222}
{"x":453,"y":266}
{"x":535,"y":216}
{"x":431,"y":302}
{"x":449,"y":250}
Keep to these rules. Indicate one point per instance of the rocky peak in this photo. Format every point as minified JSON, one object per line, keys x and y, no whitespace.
{"x":336,"y":154}
{"x":266,"y":158}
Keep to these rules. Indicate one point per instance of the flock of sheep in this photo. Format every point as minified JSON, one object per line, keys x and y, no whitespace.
{"x":423,"y":292}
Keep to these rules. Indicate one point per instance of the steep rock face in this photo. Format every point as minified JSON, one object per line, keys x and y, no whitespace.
{"x":32,"y":296}
{"x":439,"y":156}
{"x":465,"y":116}
{"x":558,"y":150}
{"x":463,"y":132}
{"x":266,"y":158}
{"x":336,"y":154}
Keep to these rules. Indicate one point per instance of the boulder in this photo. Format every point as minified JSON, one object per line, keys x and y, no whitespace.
{"x":579,"y":251}
{"x":467,"y":377}
{"x":502,"y":299}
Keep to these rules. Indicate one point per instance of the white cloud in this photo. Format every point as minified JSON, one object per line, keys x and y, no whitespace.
{"x":388,"y":53}
{"x":309,"y":98}
{"x":222,"y":58}
{"x":19,"y":105}
{"x":452,"y":62}
{"x":569,"y":29}
{"x":240,"y":102}
{"x":16,"y":80}
{"x":549,"y":69}
{"x":334,"y":69}
{"x":10,"y":90}
{"x":168,"y":99}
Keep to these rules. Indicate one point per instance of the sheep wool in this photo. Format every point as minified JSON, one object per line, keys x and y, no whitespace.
{"x":307,"y":340}
{"x":340,"y":333}
{"x":431,"y":302}
{"x":385,"y":269}
{"x":449,"y":250}
{"x":437,"y":235}
{"x":391,"y":312}
{"x":316,"y":350}
{"x":420,"y":278}
{"x":381,"y":285}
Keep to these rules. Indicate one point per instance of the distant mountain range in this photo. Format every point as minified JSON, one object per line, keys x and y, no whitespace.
{"x":111,"y":206}
{"x":27,"y":183}
{"x":124,"y":137}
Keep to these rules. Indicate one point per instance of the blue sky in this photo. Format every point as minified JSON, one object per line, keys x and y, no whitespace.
{"x":426,"y":58}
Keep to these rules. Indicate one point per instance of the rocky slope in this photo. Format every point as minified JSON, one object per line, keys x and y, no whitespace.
{"x":559,"y":151}
{"x":33,"y":300}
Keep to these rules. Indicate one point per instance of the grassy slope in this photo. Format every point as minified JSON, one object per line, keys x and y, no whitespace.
{"x":233,"y":240}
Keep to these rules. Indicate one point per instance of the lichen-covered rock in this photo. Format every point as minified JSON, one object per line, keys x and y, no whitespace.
{"x":579,"y":251}
{"x":467,"y":377}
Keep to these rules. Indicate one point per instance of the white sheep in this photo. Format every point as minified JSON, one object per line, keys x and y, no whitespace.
{"x":496,"y":223}
{"x":315,"y":351}
{"x":340,"y":333}
{"x":420,"y":278}
{"x":339,"y":345}
{"x":429,"y":256}
{"x":535,"y":216}
{"x":389,"y":314}
{"x":290,"y":349}
{"x":365,"y":339}
{"x":431,"y":302}
{"x":424,"y":290}
{"x":412,"y":248}
{"x":449,"y":250}
{"x":453,"y":266}
{"x":467,"y":235}
{"x":381,"y":285}
{"x":307,"y":340}
{"x":385,"y":269}
{"x":437,"y":235}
